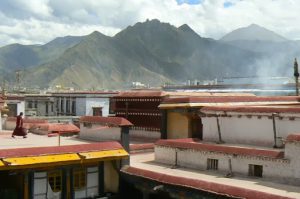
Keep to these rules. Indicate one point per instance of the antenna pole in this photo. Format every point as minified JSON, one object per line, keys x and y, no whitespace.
{"x":296,"y":75}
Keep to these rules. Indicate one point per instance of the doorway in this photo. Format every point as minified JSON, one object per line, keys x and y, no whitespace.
{"x":97,"y":111}
{"x":196,"y":127}
{"x":11,"y":184}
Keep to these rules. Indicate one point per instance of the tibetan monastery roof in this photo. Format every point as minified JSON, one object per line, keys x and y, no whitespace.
{"x":234,"y":150}
{"x":293,"y":138}
{"x":37,"y":151}
{"x":199,"y":184}
{"x":219,"y":99}
{"x":175,"y":94}
{"x":117,"y":121}
{"x":57,"y":127}
{"x":86,"y":92}
{"x":142,"y":93}
{"x":253,"y":109}
{"x":198,"y":102}
{"x":15,"y":97}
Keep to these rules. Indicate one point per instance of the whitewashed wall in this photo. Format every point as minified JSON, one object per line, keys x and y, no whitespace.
{"x":97,"y":102}
{"x":80,"y":106}
{"x":92,"y":133}
{"x":144,"y":134}
{"x":21,"y":107}
{"x":244,"y":130}
{"x":292,"y":151}
{"x":165,"y":155}
{"x":282,"y":170}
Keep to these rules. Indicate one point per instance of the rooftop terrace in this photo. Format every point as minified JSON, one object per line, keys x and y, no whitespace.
{"x":143,"y":165}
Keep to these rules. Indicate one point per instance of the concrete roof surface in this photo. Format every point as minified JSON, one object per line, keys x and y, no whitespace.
{"x":248,"y":185}
{"x":33,"y":140}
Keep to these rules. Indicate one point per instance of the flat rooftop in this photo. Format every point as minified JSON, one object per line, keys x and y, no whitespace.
{"x":248,"y":186}
{"x":33,"y":140}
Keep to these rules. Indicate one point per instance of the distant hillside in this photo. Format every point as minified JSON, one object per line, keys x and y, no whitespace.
{"x":253,"y":33}
{"x":20,"y":57}
{"x":278,"y":52}
{"x":150,"y":52}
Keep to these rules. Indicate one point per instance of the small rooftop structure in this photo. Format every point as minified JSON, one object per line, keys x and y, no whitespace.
{"x":115,"y":121}
{"x":293,"y":138}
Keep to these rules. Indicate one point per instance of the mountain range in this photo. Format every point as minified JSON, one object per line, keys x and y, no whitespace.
{"x":152,"y":53}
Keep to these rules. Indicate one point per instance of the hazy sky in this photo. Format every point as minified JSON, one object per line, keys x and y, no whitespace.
{"x":39,"y":21}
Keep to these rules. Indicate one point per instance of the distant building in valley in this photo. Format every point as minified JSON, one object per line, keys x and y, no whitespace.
{"x":72,"y":103}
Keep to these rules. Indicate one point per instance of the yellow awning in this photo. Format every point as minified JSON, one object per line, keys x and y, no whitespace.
{"x":121,"y":153}
{"x":61,"y":159}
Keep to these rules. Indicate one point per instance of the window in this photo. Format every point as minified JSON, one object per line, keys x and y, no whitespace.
{"x":212,"y":164}
{"x":62,"y":105}
{"x":29,"y":104}
{"x":57,"y":105}
{"x":52,"y":107}
{"x":73,"y":106}
{"x":255,"y":170}
{"x":88,"y":125}
{"x":55,"y":180}
{"x":68,"y":105}
{"x":112,"y":105}
{"x":79,"y":178}
{"x":97,"y":111}
{"x":47,"y":109}
{"x":35,"y":104}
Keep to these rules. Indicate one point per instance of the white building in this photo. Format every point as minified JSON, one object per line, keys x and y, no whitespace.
{"x":39,"y":105}
{"x":270,"y":164}
{"x":252,"y":136}
{"x":82,"y":103}
{"x":71,"y":103}
{"x":265,"y":126}
{"x":16,"y":104}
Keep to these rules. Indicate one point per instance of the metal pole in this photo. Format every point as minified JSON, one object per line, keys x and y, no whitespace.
{"x":58,"y":138}
{"x":296,"y":75}
{"x":274,"y":130}
{"x":219,"y":131}
{"x":297,"y":85}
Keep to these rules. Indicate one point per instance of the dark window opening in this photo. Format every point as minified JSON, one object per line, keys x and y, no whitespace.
{"x":87,"y":125}
{"x":47,"y":108}
{"x":73,"y":107}
{"x":97,"y":111}
{"x":212,"y":164}
{"x":255,"y":170}
{"x":68,"y":106}
{"x":30,"y":104}
{"x":62,"y":106}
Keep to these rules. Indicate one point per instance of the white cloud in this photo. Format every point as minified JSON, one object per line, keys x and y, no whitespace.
{"x":39,"y":21}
